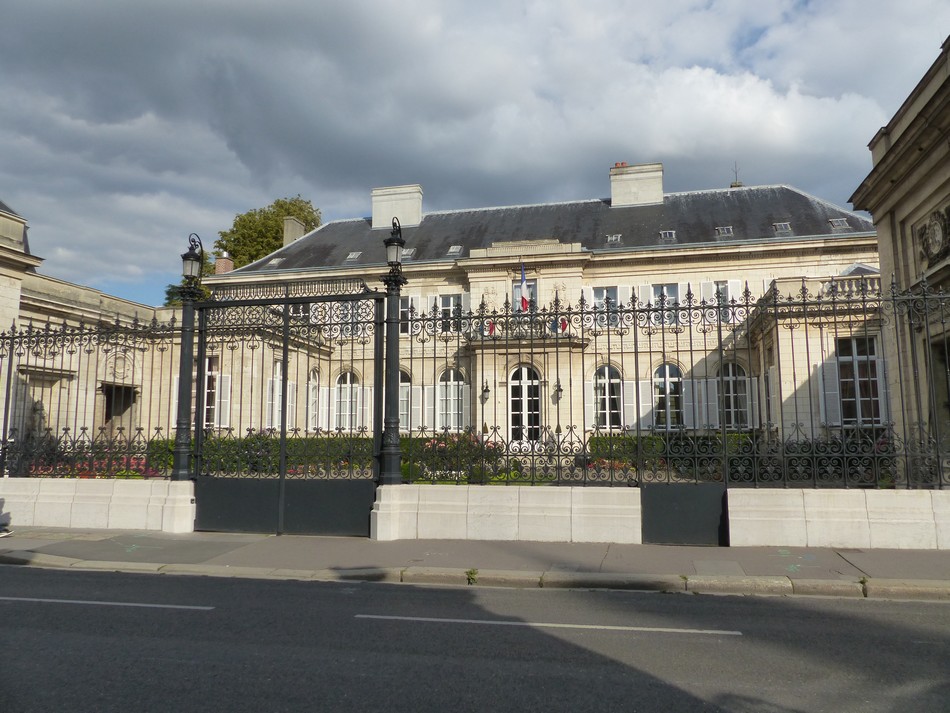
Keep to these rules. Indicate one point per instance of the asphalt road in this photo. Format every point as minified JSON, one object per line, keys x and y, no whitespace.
{"x":85,"y":641}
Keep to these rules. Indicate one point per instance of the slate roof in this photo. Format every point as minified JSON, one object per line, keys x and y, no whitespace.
{"x":694,"y":216}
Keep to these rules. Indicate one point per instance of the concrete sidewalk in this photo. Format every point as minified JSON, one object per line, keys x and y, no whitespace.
{"x":895,"y":574}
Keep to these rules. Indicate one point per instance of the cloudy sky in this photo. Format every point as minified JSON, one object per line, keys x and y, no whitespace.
{"x":125,"y":126}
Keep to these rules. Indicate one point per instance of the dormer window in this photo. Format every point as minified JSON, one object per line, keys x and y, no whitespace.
{"x":614,"y":239}
{"x":667,"y":236}
{"x":455,"y":250}
{"x":724,"y":231}
{"x":353,"y":256}
{"x":839,"y":225}
{"x":782,"y":229}
{"x":408,"y":253}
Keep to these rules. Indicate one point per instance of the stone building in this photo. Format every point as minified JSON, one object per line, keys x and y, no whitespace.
{"x":908,"y":194}
{"x":624,"y":314}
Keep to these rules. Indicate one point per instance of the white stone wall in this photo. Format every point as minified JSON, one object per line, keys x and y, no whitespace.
{"x":463,"y":512}
{"x":894,"y":519}
{"x":163,"y":505}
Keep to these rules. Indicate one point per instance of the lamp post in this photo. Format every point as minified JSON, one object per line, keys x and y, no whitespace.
{"x":191,"y":264}
{"x":389,"y":470}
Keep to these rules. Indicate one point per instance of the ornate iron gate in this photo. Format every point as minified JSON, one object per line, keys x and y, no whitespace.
{"x":288,"y":407}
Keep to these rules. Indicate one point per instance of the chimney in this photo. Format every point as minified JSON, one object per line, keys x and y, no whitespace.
{"x":223,"y":263}
{"x":403,"y":202}
{"x":636,"y":185}
{"x":293,"y":229}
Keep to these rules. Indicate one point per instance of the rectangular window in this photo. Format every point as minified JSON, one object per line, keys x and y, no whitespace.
{"x":722,"y":290}
{"x":405,"y":313}
{"x":211,"y":394}
{"x":450,"y":307}
{"x":605,"y":305}
{"x":859,"y":372}
{"x":532,"y":296}
{"x":782,"y":229}
{"x":667,"y":237}
{"x":669,"y":296}
{"x":724,"y":231}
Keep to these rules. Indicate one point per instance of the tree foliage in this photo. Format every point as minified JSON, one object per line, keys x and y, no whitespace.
{"x":260,"y":231}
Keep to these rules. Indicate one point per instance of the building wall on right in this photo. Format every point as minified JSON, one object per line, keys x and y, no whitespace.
{"x":908,"y":194}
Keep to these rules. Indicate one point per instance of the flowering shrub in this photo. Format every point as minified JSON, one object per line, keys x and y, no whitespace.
{"x":456,"y":456}
{"x":123,"y":466}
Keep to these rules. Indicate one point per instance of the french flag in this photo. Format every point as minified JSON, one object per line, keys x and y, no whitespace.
{"x":524,"y":291}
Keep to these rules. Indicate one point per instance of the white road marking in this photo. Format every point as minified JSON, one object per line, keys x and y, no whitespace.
{"x":549,"y":625}
{"x":105,"y":604}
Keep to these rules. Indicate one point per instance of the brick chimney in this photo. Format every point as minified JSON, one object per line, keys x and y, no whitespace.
{"x":223,"y":263}
{"x":293,"y":229}
{"x":403,"y":202}
{"x":636,"y":185}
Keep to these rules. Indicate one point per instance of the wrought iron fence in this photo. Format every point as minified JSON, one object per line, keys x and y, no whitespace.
{"x":88,"y":400}
{"x":814,"y":384}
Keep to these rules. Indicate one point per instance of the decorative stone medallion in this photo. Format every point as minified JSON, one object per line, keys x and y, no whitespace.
{"x":933,"y":238}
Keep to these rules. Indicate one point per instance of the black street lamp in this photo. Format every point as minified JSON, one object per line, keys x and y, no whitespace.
{"x":191,"y":264}
{"x":389,"y":470}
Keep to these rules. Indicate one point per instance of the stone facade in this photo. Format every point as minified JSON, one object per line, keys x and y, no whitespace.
{"x":908,"y":194}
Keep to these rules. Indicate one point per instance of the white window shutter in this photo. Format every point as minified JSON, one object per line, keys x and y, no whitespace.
{"x":710,"y":408}
{"x":364,"y":418}
{"x":630,"y":407}
{"x":466,"y":302}
{"x":752,"y":389}
{"x":324,"y":420}
{"x":333,"y":394}
{"x":428,"y":400}
{"x":272,"y":400}
{"x":589,"y":405}
{"x":415,"y":409}
{"x":707,"y":292}
{"x":173,"y":419}
{"x":882,"y":392}
{"x":646,"y":404}
{"x":829,"y":392}
{"x":683,"y":289}
{"x":291,"y":405}
{"x":775,"y":402}
{"x":588,"y":293}
{"x":466,"y":396}
{"x":690,"y":405}
{"x":645,"y":294}
{"x":222,"y":411}
{"x":735,"y":291}
{"x":623,"y":295}
{"x":440,"y":405}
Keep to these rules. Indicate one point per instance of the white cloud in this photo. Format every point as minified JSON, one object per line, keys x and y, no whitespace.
{"x":124,"y":128}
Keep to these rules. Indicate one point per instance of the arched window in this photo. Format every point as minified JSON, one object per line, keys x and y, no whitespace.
{"x":524,"y":391}
{"x":347,"y":400}
{"x":313,"y":401}
{"x":450,"y":391}
{"x":405,"y":389}
{"x":608,"y":399}
{"x":668,"y":397}
{"x":734,"y":396}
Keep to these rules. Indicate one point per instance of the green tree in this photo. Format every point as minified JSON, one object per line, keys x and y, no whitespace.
{"x":260,"y":231}
{"x":253,"y":235}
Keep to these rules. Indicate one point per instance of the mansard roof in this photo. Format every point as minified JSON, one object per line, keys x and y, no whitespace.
{"x":728,"y":216}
